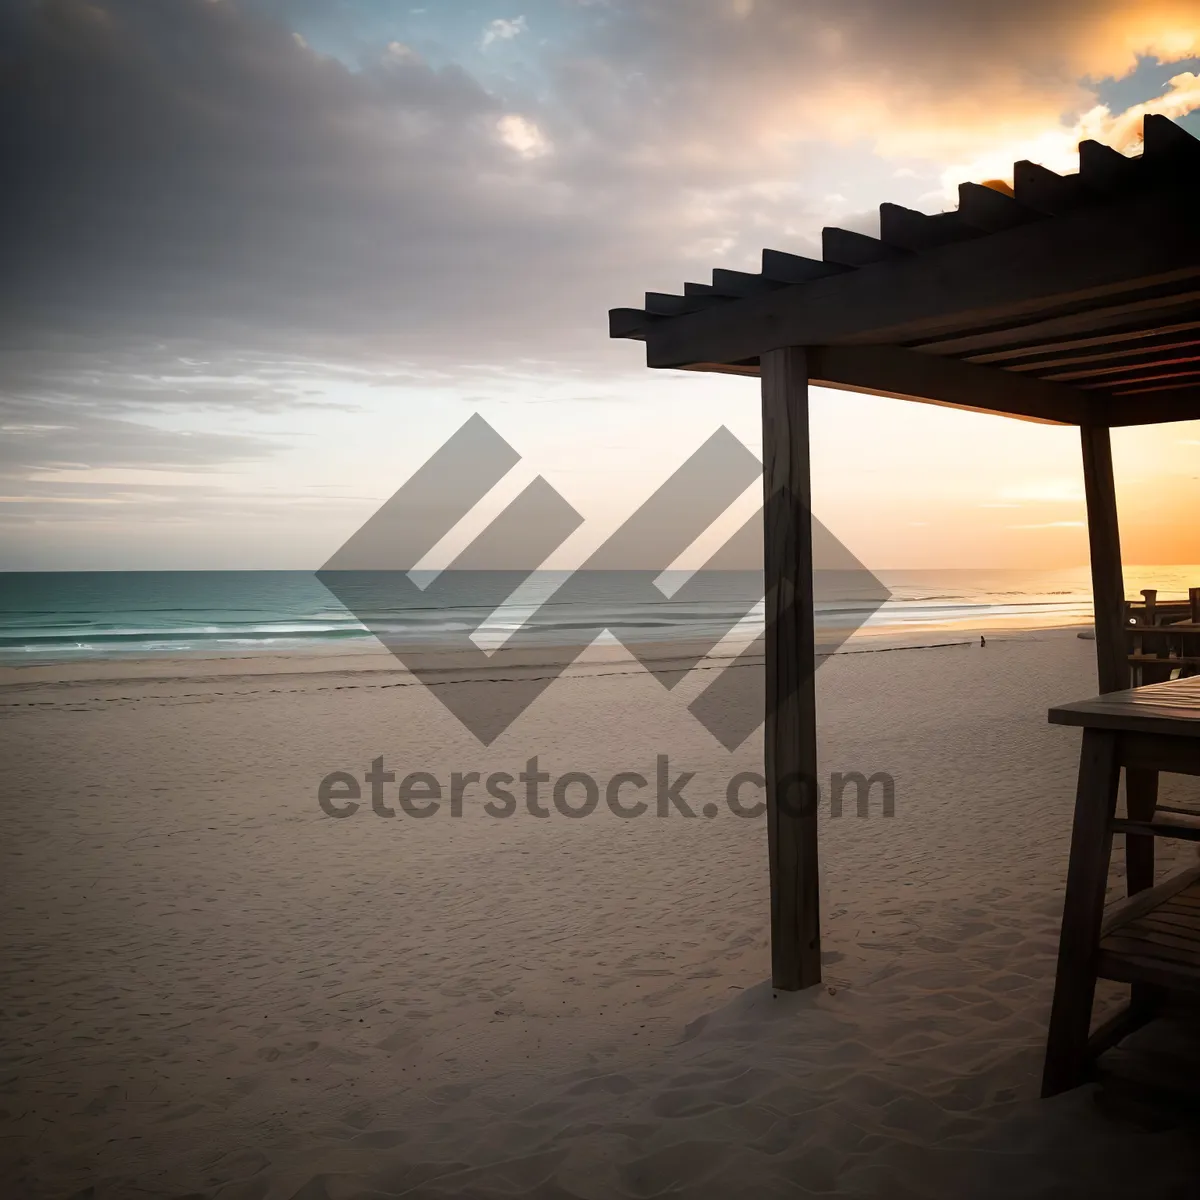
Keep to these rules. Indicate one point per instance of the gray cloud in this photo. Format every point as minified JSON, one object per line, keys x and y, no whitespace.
{"x":45,"y":434}
{"x":187,"y":183}
{"x":188,"y":170}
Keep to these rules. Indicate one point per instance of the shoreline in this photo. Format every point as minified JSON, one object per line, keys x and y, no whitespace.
{"x":375,"y":659}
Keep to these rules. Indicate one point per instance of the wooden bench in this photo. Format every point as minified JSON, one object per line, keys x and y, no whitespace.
{"x":1153,"y":941}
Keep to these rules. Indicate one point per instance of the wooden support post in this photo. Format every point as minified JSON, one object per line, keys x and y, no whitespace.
{"x":1150,"y":596}
{"x":1194,"y":600}
{"x":1083,"y":910}
{"x":790,"y":739}
{"x":1141,"y":801}
{"x":1108,"y":584}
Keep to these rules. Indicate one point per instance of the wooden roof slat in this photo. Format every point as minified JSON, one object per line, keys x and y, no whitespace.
{"x":1077,"y":258}
{"x":1104,"y":169}
{"x":630,"y":323}
{"x":1169,"y":146}
{"x":1152,"y":405}
{"x":1118,"y":387}
{"x":1109,"y":337}
{"x":664,"y":304}
{"x":1112,"y":371}
{"x":907,"y":229}
{"x":742,"y":283}
{"x":1040,"y":188}
{"x":1085,"y":283}
{"x":1080,"y":318}
{"x":1148,"y":348}
{"x":852,"y":249}
{"x":990,"y":210}
{"x":1165,"y":387}
{"x":792,"y":268}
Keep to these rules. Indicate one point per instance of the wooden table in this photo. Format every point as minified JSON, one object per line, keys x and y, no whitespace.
{"x":1152,"y":941}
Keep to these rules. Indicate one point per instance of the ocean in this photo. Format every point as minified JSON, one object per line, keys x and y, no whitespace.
{"x":64,"y":616}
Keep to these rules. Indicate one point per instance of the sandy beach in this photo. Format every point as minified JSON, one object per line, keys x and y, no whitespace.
{"x":212,"y":988}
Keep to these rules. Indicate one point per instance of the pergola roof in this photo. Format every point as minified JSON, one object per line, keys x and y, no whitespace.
{"x":1074,"y":300}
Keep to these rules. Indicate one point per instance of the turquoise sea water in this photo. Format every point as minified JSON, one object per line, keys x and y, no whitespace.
{"x":79,"y":615}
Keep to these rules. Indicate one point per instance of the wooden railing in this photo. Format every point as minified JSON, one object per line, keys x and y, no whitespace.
{"x":1163,"y":637}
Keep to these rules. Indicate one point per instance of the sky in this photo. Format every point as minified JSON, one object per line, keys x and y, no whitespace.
{"x":260,"y":258}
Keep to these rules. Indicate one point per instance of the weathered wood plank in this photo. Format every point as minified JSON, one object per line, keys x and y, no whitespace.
{"x":853,"y":249}
{"x":1038,"y":187}
{"x":666,"y":304}
{"x":1136,"y":969}
{"x":790,"y":736}
{"x":1154,"y":733}
{"x":1112,"y":373}
{"x":1153,"y":947}
{"x":907,"y":229}
{"x":910,"y":375}
{"x":1104,"y":539}
{"x":1161,"y":826}
{"x":742,"y":283}
{"x":1186,"y":929}
{"x":1083,"y":910}
{"x":1168,"y":892}
{"x":1101,"y":349}
{"x":1171,"y":303}
{"x":1168,"y":148}
{"x":1032,"y":352}
{"x":1184,"y":376}
{"x":1141,"y":799}
{"x":794,"y":268}
{"x":990,"y":210}
{"x":1104,"y":169}
{"x":1118,"y":1027}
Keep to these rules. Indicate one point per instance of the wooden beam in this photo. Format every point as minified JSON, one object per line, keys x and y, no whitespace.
{"x":1150,"y":309}
{"x":1083,"y":911}
{"x":666,"y":304}
{"x":1038,"y":187}
{"x":990,"y":210}
{"x":794,"y":268}
{"x":1112,"y":358}
{"x":1035,"y":352}
{"x":855,"y":249}
{"x":1168,"y":148}
{"x":910,"y":375}
{"x":790,"y":736}
{"x":1151,"y":405}
{"x":907,"y":229}
{"x":630,"y":323}
{"x":742,"y":283}
{"x":1185,"y":374}
{"x":1104,"y":169}
{"x":1104,"y":539}
{"x":1022,"y":272}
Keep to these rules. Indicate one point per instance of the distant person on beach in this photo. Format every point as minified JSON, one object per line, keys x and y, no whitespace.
{"x":982,"y":640}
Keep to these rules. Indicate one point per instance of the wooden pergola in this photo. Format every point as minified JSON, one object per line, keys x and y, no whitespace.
{"x":1067,"y":299}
